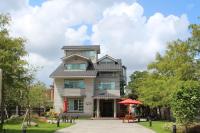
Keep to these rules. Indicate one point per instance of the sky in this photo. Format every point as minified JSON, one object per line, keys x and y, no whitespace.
{"x":133,"y":30}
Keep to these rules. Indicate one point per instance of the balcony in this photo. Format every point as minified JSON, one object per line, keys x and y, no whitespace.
{"x":114,"y":92}
{"x":73,"y":92}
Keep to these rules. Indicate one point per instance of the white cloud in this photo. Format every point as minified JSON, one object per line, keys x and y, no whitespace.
{"x":126,"y":33}
{"x":38,"y":60}
{"x":74,"y":37}
{"x":45,"y":26}
{"x":12,"y":5}
{"x":121,"y":28}
{"x":43,"y":65}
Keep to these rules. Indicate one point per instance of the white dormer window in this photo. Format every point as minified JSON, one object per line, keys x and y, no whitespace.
{"x":81,"y":66}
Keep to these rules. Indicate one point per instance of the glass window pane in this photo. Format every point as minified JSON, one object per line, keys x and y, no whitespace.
{"x":75,"y":104}
{"x":81,"y":66}
{"x":74,"y":84}
{"x":106,"y":85}
{"x":89,"y":54}
{"x":71,"y":105}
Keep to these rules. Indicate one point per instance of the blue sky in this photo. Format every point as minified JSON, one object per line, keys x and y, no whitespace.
{"x":167,"y":7}
{"x":176,"y":7}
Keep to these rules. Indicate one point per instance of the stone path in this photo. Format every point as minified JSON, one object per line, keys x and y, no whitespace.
{"x":105,"y":126}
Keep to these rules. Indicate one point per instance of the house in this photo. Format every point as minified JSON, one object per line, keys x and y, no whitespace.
{"x":50,"y":93}
{"x":91,"y":85}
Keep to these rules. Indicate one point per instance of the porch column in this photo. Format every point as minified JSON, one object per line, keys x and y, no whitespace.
{"x":98,"y":108}
{"x":115,"y":108}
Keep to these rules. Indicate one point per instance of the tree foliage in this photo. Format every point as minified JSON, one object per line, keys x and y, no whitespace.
{"x":138,"y":78}
{"x":177,"y":62}
{"x":172,"y":78}
{"x":37,"y":95}
{"x":185,"y":102}
{"x":12,"y":52}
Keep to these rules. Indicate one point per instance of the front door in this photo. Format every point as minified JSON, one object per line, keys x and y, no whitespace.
{"x":106,"y":108}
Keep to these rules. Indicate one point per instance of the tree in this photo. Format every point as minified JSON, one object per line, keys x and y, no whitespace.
{"x":156,"y":86}
{"x":37,"y":95}
{"x":12,"y":53}
{"x":177,"y":62}
{"x":12,"y":63}
{"x":136,"y":80}
{"x":185,"y":103}
{"x":195,"y":38}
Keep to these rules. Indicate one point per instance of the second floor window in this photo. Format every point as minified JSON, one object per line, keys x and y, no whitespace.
{"x":80,"y":84}
{"x":81,"y":66}
{"x":106,"y":86}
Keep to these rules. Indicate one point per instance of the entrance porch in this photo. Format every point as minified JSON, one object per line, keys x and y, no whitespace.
{"x":105,"y":108}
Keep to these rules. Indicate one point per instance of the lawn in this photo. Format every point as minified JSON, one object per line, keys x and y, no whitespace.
{"x":43,"y":127}
{"x":157,"y":126}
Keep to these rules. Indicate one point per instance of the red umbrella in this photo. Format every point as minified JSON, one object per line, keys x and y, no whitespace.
{"x":129,"y":101}
{"x":65,"y":105}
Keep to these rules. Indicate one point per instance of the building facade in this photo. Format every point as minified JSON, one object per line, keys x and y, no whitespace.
{"x":91,"y":85}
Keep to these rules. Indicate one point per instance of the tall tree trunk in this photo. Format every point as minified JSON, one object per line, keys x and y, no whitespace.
{"x":169,"y":113}
{"x":17,"y":110}
{"x":159,"y":110}
{"x":2,"y":106}
{"x":186,"y":128}
{"x":29,"y":115}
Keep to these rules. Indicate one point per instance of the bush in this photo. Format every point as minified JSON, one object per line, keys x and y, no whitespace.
{"x":51,"y":114}
{"x":185,"y":103}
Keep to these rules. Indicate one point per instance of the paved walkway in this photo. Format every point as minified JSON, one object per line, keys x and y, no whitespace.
{"x":104,"y":126}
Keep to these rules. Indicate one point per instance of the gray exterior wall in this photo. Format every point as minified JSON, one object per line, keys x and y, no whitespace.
{"x":87,"y":93}
{"x":115,"y":79}
{"x":58,"y":90}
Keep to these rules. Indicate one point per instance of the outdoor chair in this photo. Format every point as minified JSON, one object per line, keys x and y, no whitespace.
{"x":129,"y":118}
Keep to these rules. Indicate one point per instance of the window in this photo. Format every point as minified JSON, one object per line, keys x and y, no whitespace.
{"x":75,"y":66}
{"x":89,"y":54}
{"x":74,"y":84}
{"x":75,"y":105}
{"x":106,"y":86}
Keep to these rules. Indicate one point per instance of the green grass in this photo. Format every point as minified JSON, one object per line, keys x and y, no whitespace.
{"x":14,"y":126}
{"x":157,"y":126}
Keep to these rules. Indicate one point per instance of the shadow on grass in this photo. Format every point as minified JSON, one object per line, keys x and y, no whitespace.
{"x":41,"y":128}
{"x":28,"y":131}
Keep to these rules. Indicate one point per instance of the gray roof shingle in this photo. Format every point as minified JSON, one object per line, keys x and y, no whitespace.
{"x":60,"y":72}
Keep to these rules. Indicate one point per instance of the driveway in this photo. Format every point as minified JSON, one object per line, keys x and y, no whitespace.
{"x":105,"y":126}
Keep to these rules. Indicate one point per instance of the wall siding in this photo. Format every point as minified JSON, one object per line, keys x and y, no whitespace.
{"x":86,"y":93}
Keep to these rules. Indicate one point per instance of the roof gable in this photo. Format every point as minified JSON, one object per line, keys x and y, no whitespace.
{"x":107,"y":57}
